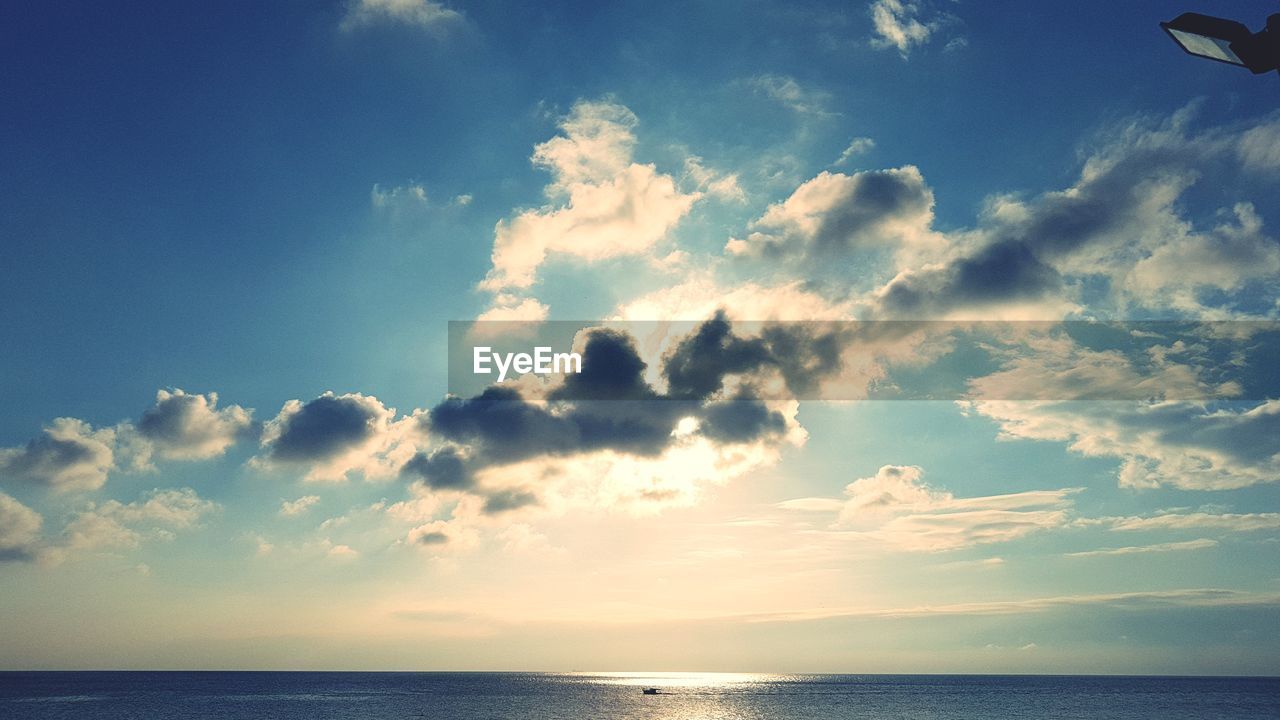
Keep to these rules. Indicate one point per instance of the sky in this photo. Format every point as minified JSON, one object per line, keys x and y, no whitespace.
{"x":233,"y":236}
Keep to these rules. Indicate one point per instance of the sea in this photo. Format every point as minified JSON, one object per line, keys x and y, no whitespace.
{"x":582,"y":696}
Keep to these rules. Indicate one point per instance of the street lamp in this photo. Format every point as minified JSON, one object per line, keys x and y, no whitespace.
{"x":1227,"y":40}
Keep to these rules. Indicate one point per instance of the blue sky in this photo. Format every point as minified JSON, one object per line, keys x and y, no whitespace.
{"x":285,"y":204}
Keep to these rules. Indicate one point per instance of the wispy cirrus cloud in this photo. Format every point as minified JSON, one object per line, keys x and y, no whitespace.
{"x":897,"y":508}
{"x":1191,"y":597}
{"x":425,"y":14}
{"x":1200,"y":544}
{"x":1227,"y":522}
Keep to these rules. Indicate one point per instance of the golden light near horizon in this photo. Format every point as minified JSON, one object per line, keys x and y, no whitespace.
{"x":678,"y":679}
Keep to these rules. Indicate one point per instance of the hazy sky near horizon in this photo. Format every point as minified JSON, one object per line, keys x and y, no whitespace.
{"x":233,"y":235}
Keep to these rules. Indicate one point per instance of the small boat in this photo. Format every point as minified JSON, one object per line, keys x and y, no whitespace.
{"x":650,"y":691}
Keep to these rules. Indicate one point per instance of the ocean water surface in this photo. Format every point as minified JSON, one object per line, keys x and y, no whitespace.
{"x":580,"y":696}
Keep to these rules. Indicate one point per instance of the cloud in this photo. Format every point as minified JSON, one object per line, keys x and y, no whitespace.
{"x":787,"y":91}
{"x":1116,"y":238}
{"x":1200,"y":544}
{"x":904,"y":24}
{"x":834,"y":214}
{"x":1259,"y":147}
{"x":857,"y":146}
{"x":335,"y":435}
{"x":443,"y":537}
{"x":401,"y":196}
{"x":1044,"y":362}
{"x":605,"y":428}
{"x":19,"y":530}
{"x":1190,"y":597}
{"x":69,"y":455}
{"x":293,"y":508}
{"x":186,"y":426}
{"x":113,"y":524}
{"x":442,"y":469}
{"x":1229,"y":522}
{"x":1226,"y":258}
{"x":896,"y":507}
{"x":418,"y":13}
{"x":507,"y":500}
{"x":604,"y":204}
{"x":1179,"y":444}
{"x":723,"y":186}
{"x":510,"y":308}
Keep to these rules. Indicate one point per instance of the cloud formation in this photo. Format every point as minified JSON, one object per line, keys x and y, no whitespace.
{"x":604,"y":205}
{"x":335,"y":435}
{"x":1200,"y":544}
{"x":508,"y":447}
{"x":19,"y":530}
{"x":1178,"y":444}
{"x":896,"y":507}
{"x":69,"y":455}
{"x":903,"y":24}
{"x":184,"y":426}
{"x":835,"y":214}
{"x":1118,"y":233}
{"x":116,"y":525}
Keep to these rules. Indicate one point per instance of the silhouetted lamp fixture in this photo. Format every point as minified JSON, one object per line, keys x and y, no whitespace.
{"x":1227,"y":40}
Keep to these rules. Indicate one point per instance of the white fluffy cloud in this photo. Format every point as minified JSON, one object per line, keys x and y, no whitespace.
{"x":603,"y":206}
{"x":188,"y":426}
{"x":903,"y":24}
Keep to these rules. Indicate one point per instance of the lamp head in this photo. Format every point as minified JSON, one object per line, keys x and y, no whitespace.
{"x":1226,"y":40}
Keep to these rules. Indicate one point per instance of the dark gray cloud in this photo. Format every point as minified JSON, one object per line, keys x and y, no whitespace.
{"x":833,"y":214}
{"x":434,"y":537}
{"x":1005,"y":272}
{"x":696,"y":367}
{"x":443,"y":469}
{"x":741,"y":419}
{"x":804,"y":353}
{"x":609,"y":406}
{"x":506,"y":500}
{"x":323,"y":427}
{"x":611,"y":370}
{"x":1120,"y":211}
